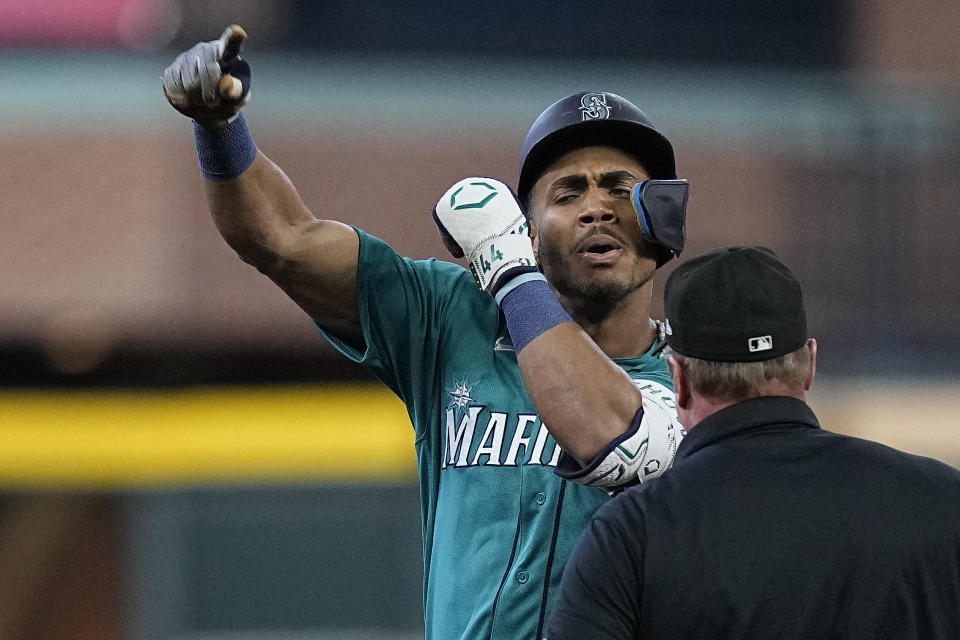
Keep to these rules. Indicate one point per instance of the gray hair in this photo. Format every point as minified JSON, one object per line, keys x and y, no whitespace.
{"x":740,"y":380}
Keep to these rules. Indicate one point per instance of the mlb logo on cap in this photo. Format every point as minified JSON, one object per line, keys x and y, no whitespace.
{"x":760,"y":343}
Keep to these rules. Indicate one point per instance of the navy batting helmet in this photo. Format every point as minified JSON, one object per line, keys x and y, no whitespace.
{"x":606,"y":119}
{"x":589,"y":119}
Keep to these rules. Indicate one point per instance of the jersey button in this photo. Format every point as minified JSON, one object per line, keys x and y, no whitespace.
{"x":541,"y":497}
{"x":522,"y":577}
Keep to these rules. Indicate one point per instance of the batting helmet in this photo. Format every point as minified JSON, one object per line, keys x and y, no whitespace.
{"x":602,"y":119}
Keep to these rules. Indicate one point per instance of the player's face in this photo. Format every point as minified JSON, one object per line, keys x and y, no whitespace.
{"x":585,"y":232}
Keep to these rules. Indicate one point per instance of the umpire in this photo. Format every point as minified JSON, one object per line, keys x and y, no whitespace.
{"x":767,"y":526}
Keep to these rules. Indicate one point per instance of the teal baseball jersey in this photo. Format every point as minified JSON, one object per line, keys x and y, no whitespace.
{"x":498,"y":523}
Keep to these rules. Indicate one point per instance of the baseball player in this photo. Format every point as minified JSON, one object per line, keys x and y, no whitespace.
{"x":601,"y":211}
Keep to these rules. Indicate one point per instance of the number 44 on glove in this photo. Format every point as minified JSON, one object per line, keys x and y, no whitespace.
{"x":480,"y":218}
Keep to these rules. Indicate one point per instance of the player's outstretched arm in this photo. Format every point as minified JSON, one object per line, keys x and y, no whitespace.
{"x":588,"y":403}
{"x":254,"y":205}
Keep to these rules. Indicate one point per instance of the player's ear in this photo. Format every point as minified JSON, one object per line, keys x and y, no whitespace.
{"x":532,"y":232}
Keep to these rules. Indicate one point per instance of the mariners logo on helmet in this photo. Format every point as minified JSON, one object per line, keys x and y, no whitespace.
{"x":593,"y":106}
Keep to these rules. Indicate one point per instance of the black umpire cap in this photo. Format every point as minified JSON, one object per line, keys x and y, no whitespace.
{"x":734,"y":304}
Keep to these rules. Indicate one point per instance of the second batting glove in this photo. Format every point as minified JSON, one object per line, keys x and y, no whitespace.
{"x":209,"y":82}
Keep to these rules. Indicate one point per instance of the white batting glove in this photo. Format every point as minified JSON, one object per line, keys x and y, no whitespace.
{"x":481,"y":218}
{"x":209,"y":82}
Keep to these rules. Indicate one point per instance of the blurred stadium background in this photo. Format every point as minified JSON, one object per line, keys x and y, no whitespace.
{"x":181,"y":455}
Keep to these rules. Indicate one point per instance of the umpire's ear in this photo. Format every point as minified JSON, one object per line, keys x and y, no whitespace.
{"x":812,"y":343}
{"x":681,"y":383}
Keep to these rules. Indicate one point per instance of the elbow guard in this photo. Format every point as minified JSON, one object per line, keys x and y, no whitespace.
{"x":645,"y":451}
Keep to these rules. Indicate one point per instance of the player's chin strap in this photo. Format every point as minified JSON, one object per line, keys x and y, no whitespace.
{"x":661,"y":208}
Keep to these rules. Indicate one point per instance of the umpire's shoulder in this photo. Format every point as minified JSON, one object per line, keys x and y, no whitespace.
{"x":931,"y":481}
{"x":895,"y":460}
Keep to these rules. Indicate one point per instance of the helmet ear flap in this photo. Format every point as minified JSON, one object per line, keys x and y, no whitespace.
{"x":661,"y":208}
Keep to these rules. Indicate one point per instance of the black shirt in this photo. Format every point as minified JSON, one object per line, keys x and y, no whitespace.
{"x":768,"y":526}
